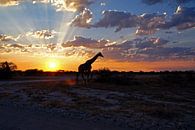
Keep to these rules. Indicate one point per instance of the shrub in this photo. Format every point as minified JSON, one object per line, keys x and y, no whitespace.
{"x":107,"y":76}
{"x":6,"y":69}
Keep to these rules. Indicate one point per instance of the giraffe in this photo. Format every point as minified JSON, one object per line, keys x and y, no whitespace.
{"x":85,"y":69}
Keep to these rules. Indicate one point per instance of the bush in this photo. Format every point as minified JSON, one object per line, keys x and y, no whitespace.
{"x":107,"y":76}
{"x":178,"y":78}
{"x":6,"y":69}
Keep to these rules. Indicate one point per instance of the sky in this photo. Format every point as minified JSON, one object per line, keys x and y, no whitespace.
{"x":133,"y":35}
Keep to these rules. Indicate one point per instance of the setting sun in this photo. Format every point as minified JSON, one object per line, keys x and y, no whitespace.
{"x":52,"y":65}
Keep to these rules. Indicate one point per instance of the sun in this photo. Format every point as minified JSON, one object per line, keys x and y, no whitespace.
{"x":52,"y":65}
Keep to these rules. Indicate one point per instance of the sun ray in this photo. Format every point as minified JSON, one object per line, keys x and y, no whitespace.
{"x":64,"y":27}
{"x":17,"y":25}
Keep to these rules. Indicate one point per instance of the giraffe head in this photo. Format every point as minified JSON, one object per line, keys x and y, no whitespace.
{"x":100,"y":54}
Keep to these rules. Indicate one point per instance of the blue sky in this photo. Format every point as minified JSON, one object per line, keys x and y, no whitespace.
{"x":139,"y":30}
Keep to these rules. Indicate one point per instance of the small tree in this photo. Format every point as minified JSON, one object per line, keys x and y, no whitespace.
{"x":6,"y":69}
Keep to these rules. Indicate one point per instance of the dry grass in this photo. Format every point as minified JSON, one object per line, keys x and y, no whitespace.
{"x":147,"y":95}
{"x":5,"y":95}
{"x":53,"y":104}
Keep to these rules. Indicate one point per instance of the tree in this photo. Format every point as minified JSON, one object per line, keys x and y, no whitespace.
{"x":6,"y":69}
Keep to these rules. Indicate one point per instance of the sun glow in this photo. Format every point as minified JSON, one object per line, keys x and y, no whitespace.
{"x":52,"y":65}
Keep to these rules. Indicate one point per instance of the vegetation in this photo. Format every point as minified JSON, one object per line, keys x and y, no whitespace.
{"x":166,"y":78}
{"x":6,"y":69}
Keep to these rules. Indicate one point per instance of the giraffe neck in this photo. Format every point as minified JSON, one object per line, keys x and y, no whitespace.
{"x":90,"y":61}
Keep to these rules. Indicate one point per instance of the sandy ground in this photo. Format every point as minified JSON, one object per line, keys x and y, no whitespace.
{"x":59,"y":103}
{"x":13,"y":118}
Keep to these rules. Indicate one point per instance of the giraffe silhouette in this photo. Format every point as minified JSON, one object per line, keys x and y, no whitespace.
{"x":85,"y":69}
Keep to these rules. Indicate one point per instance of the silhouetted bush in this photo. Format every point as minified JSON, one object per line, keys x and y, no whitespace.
{"x":114,"y":77}
{"x":178,"y":78}
{"x":6,"y":69}
{"x":33,"y":72}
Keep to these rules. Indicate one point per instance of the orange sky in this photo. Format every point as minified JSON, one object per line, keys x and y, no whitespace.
{"x":71,"y":63}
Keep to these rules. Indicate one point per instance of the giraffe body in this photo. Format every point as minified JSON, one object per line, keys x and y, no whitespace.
{"x":85,"y":69}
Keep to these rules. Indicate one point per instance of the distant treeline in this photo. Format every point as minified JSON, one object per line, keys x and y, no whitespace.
{"x":37,"y":72}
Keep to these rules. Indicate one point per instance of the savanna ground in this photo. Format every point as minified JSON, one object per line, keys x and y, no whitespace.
{"x":129,"y":101}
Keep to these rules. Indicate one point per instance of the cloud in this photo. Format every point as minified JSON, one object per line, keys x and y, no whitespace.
{"x":152,"y":2}
{"x":83,"y":19}
{"x":7,"y":39}
{"x":170,"y":53}
{"x":16,"y":46}
{"x":42,"y":34}
{"x":142,"y":43}
{"x":117,"y":19}
{"x":9,"y":2}
{"x":68,"y":5}
{"x":51,"y":46}
{"x":86,"y":42}
{"x":78,"y":5}
{"x":103,"y":4}
{"x":146,"y":23}
{"x":139,"y":49}
{"x":150,"y":23}
{"x":147,"y":49}
{"x":182,"y":19}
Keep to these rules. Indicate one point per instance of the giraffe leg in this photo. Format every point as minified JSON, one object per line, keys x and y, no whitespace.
{"x":91,"y":76}
{"x":88,"y":73}
{"x":77,"y":78}
{"x":83,"y":77}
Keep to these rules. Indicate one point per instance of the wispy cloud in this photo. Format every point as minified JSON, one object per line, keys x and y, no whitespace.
{"x":6,"y":38}
{"x":83,"y":19}
{"x":61,"y":5}
{"x":138,"y":49}
{"x":9,"y":2}
{"x":86,"y":42}
{"x":68,"y":5}
{"x":43,"y":34}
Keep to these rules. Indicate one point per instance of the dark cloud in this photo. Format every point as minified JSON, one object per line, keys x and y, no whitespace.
{"x":16,"y":46}
{"x":139,"y":49}
{"x":7,"y":40}
{"x":147,"y":49}
{"x":165,"y":53}
{"x":183,"y":18}
{"x":152,"y":2}
{"x":149,"y":23}
{"x":146,"y":23}
{"x":142,"y":43}
{"x":86,"y":42}
{"x":117,"y":19}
